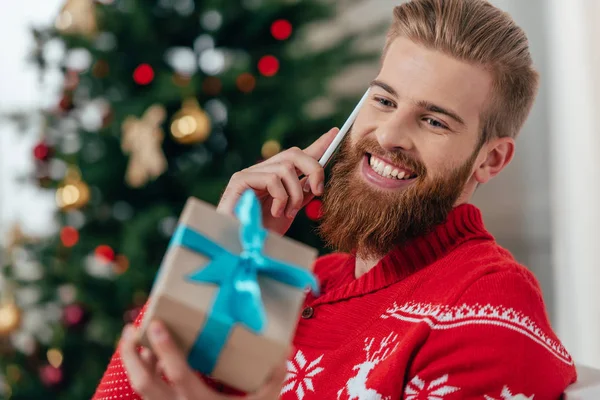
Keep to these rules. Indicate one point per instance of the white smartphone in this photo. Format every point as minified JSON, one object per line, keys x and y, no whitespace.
{"x":342,"y":133}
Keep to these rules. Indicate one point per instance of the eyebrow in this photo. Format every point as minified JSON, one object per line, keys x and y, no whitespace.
{"x":421,"y":103}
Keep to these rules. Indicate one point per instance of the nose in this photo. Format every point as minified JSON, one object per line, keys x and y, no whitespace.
{"x":394,"y":132}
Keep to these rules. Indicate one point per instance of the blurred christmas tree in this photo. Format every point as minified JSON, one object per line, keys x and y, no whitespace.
{"x":161,"y":100}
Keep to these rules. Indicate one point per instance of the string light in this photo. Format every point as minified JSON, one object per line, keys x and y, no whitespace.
{"x":55,"y":357}
{"x":181,"y":80}
{"x":281,"y":29}
{"x":105,"y":253}
{"x":270,"y":148}
{"x":121,"y":264}
{"x":268,"y":65}
{"x":143,"y":74}
{"x":246,"y":82}
{"x":13,"y":373}
{"x":69,"y":236}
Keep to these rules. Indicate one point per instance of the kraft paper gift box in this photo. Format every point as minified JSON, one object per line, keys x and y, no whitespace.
{"x":230,"y":292}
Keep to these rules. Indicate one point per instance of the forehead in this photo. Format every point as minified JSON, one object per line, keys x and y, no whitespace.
{"x":421,"y":74}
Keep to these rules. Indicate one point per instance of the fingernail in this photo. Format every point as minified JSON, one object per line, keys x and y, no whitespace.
{"x":307,"y":186}
{"x":321,"y":188}
{"x":157,"y":332}
{"x":293,"y":213}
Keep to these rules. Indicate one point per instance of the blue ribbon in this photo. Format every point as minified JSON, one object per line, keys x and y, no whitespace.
{"x":238,"y":297}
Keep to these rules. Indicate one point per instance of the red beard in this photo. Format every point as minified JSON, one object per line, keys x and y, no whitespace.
{"x":359,"y":218}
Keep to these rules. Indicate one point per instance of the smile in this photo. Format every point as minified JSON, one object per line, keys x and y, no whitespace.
{"x":383,"y":174}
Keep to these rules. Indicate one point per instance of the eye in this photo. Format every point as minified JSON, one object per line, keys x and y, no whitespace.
{"x":382,"y":101}
{"x":435,"y":123}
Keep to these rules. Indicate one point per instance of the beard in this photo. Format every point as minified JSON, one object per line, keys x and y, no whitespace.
{"x":359,"y":218}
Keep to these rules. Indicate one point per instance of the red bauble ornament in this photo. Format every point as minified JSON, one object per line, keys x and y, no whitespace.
{"x":42,"y":151}
{"x":105,"y":253}
{"x":73,"y":315}
{"x":143,"y":74}
{"x":281,"y":29}
{"x":268,"y":65}
{"x":69,"y":236}
{"x":51,"y":376}
{"x":313,"y":210}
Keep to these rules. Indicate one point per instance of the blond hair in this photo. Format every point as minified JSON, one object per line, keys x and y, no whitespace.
{"x":477,"y":32}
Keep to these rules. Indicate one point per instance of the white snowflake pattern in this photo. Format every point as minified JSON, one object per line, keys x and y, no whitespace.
{"x":300,"y":374}
{"x":436,"y":390}
{"x":507,"y":395}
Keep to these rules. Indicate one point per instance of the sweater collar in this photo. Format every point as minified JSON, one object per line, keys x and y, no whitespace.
{"x":464,"y":223}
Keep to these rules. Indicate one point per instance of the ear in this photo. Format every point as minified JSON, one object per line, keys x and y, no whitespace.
{"x":498,"y":154}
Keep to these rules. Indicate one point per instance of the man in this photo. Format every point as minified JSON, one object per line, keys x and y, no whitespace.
{"x":420,"y":302}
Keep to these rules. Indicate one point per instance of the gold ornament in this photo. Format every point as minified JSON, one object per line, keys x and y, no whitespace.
{"x":190,"y":124}
{"x":73,"y":193}
{"x":10,"y":315}
{"x":142,"y":140}
{"x":270,"y":148}
{"x":77,"y":17}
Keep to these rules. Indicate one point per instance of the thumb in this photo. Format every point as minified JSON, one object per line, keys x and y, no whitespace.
{"x":317,"y":149}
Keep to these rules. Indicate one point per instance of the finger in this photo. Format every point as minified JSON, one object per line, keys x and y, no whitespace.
{"x":293,"y":187}
{"x":149,"y":359}
{"x":174,"y":364}
{"x":259,"y":181}
{"x":142,"y":380}
{"x":317,"y":149}
{"x":306,"y":165}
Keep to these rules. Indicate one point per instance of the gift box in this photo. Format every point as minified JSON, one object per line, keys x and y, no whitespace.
{"x":231,"y":292}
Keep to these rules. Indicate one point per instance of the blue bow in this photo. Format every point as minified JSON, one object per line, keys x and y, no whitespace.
{"x":238,"y":298}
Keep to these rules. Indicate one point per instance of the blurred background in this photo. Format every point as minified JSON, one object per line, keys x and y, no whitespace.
{"x":115,"y":111}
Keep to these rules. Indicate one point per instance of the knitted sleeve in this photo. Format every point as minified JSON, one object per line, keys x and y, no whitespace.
{"x":485,"y":348}
{"x":114,"y":383}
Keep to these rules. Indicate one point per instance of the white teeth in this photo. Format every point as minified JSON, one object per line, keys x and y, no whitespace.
{"x":387,"y":170}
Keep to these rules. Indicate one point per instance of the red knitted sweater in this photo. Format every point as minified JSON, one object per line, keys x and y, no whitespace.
{"x":449,"y":316}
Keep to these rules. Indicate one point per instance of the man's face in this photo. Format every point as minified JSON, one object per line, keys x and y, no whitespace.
{"x":411,"y":152}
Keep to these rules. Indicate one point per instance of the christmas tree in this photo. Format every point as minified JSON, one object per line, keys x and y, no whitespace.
{"x":161,"y":100}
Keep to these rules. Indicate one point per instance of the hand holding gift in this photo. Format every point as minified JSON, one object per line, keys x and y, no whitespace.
{"x":145,"y":371}
{"x":229,"y":293}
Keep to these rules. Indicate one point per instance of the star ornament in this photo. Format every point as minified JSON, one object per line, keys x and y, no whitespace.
{"x":142,"y":140}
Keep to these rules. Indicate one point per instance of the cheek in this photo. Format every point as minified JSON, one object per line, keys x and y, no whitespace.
{"x":441,"y":164}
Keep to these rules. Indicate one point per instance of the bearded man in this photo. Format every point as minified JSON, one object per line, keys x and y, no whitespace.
{"x":419,"y":301}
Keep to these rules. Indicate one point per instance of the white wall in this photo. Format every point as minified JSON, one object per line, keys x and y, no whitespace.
{"x":19,"y":90}
{"x":575,"y":143}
